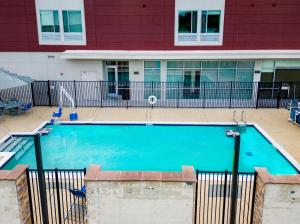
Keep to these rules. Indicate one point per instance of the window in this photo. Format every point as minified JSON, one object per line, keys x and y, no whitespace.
{"x":152,"y":71}
{"x":193,"y":77}
{"x":210,"y":21}
{"x":152,"y":86}
{"x":187,"y":22}
{"x":72,"y":21}
{"x":60,"y":24}
{"x":49,"y":21}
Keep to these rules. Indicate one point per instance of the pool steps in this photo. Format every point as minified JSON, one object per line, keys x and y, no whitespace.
{"x":6,"y":144}
{"x":18,"y":145}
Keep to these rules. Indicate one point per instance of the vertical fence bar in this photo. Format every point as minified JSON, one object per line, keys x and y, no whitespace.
{"x":279,"y":95}
{"x":230,"y":94}
{"x":75,"y":93}
{"x":57,"y":195}
{"x":224,"y":197}
{"x":204,"y":96}
{"x":41,"y":177}
{"x":49,"y":94}
{"x":32,"y":94}
{"x":101,"y":92}
{"x":257,"y":95}
{"x":234,"y":189}
{"x":196,"y":201}
{"x":177,"y":104}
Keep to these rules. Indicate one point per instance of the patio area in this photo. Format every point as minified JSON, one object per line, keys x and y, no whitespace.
{"x":273,"y":121}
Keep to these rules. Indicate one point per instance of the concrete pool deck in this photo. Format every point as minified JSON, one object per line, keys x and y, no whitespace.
{"x":273,"y":121}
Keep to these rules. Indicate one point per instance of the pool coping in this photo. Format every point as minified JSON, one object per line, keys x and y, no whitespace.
{"x":272,"y":141}
{"x":187,"y":174}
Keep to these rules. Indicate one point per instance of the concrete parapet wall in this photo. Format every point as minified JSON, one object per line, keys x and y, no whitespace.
{"x":14,"y":206}
{"x":140,"y":197}
{"x":277,"y":199}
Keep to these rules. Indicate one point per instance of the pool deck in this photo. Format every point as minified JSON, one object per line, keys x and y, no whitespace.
{"x":273,"y":121}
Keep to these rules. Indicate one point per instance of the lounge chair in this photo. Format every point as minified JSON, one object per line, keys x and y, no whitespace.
{"x":57,"y":113}
{"x":77,"y":210}
{"x":27,"y":107}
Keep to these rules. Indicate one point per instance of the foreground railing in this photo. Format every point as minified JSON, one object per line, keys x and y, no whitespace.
{"x":63,"y":206}
{"x":213,"y":196}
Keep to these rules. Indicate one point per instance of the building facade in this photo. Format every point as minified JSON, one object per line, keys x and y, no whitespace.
{"x":187,"y":41}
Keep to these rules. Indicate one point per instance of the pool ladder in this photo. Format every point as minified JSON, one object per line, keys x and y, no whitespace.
{"x":241,"y":126}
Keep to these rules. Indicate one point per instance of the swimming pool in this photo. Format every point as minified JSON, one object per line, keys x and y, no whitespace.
{"x":159,"y":147}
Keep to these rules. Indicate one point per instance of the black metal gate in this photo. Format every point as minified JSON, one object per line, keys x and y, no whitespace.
{"x":63,"y":206}
{"x":213,"y":196}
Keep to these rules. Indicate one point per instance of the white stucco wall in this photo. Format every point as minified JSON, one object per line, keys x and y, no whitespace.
{"x":281,"y":204}
{"x":147,"y":202}
{"x":9,"y":207}
{"x":49,"y":66}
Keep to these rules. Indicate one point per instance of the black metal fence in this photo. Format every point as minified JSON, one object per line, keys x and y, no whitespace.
{"x":63,"y":206}
{"x":168,"y":94}
{"x":213,"y":196}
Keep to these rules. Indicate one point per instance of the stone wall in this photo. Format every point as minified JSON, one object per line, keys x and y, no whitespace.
{"x":140,"y":197}
{"x":14,"y":206}
{"x":277,"y":199}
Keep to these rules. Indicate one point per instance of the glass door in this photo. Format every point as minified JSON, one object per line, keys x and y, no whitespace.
{"x":112,"y":78}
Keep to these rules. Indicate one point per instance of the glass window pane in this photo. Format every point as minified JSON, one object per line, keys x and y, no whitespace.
{"x":75,"y":23}
{"x":227,"y":75}
{"x":175,"y":64}
{"x":213,"y":21}
{"x":123,"y":74}
{"x":228,"y":64}
{"x":152,"y":64}
{"x":194,"y":21}
{"x":210,"y":64}
{"x":209,"y":75}
{"x":203,"y":21}
{"x":49,"y":21}
{"x":267,"y":77}
{"x":185,"y":22}
{"x":123,"y":63}
{"x":152,"y":75}
{"x":245,"y":64}
{"x":244,"y":75}
{"x":192,"y":64}
{"x":65,"y":21}
{"x":72,"y":21}
{"x":174,"y":75}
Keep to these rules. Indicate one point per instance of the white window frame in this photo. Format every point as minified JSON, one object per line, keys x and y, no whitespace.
{"x":199,"y":6}
{"x":60,"y":6}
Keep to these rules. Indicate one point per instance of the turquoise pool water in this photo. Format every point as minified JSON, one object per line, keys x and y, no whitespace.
{"x":153,"y":148}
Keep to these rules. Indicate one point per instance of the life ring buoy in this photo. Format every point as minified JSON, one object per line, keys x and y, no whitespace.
{"x":152,"y":100}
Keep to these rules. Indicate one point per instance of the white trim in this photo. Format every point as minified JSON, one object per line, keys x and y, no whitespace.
{"x":180,"y":55}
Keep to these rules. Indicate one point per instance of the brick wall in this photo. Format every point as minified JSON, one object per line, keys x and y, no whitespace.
{"x":259,"y":201}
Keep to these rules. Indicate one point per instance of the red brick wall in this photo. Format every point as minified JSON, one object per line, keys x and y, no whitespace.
{"x":149,"y":25}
